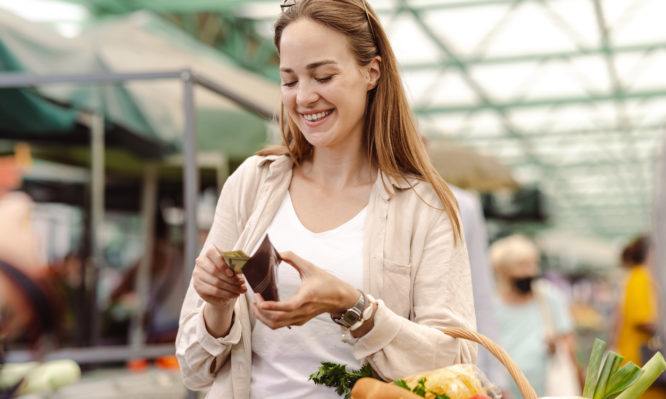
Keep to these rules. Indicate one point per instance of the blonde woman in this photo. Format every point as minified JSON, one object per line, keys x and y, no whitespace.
{"x":534,"y":318}
{"x":368,"y":231}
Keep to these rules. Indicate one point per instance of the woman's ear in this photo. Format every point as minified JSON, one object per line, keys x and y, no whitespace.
{"x":373,"y":72}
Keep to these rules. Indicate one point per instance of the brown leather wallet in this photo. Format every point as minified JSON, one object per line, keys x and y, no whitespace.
{"x":260,"y":270}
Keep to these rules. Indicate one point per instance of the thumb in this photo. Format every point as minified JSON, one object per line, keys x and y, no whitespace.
{"x":301,"y":265}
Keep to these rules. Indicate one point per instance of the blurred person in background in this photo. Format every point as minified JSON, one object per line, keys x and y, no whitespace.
{"x":483,"y":284}
{"x":637,"y":311}
{"x":528,"y":308}
{"x":26,"y":308}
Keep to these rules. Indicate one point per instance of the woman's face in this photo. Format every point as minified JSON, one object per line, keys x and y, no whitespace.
{"x":323,"y":87}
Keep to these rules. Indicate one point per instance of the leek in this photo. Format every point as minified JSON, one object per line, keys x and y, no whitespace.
{"x":651,"y":371}
{"x":593,"y":367}
{"x":606,"y":380}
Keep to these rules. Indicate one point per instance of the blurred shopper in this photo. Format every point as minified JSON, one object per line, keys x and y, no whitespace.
{"x":166,"y":289}
{"x":637,"y":313}
{"x":534,"y":318}
{"x":352,"y":192}
{"x":26,"y":310}
{"x":483,"y":284}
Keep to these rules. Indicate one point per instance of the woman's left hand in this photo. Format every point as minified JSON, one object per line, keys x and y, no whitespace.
{"x":320,"y":292}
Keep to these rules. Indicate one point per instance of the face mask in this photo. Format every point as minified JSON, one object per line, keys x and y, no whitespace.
{"x":523,"y":285}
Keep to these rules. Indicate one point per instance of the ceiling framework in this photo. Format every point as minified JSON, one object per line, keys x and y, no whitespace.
{"x":570,"y":94}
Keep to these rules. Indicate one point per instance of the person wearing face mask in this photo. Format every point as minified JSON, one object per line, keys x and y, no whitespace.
{"x":533,"y":315}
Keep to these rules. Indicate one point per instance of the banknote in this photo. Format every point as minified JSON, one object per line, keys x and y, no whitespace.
{"x":235,"y":259}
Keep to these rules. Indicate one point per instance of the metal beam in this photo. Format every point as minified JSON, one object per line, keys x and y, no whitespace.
{"x":118,"y":6}
{"x":618,"y":92}
{"x":19,"y":79}
{"x":486,"y":100}
{"x":463,"y":135}
{"x":582,"y":52}
{"x":101,"y":354}
{"x":540,"y":102}
{"x":587,"y":164}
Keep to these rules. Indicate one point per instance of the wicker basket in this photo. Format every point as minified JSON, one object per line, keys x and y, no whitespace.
{"x":370,"y":388}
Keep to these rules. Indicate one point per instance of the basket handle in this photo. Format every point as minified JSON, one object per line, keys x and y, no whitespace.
{"x":501,"y":355}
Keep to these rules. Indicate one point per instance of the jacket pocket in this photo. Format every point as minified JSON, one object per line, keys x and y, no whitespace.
{"x":397,"y":287}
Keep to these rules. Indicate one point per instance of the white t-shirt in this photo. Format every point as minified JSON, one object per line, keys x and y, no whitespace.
{"x":283,"y":359}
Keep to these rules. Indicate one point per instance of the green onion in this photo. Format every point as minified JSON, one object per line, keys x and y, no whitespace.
{"x":620,"y":380}
{"x":612,"y":361}
{"x":651,"y":371}
{"x":593,"y":367}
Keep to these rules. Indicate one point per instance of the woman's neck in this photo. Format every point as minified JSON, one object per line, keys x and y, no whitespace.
{"x":340,"y":168}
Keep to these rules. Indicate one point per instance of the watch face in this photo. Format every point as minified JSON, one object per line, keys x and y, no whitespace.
{"x":353,"y":314}
{"x":350,"y":317}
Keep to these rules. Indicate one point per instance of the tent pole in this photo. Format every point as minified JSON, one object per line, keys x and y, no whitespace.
{"x":659,"y":243}
{"x":190,"y":181}
{"x":190,"y":174}
{"x":137,"y":333}
{"x":97,"y":219}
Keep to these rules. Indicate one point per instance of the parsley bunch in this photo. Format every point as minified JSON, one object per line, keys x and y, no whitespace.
{"x":336,"y":376}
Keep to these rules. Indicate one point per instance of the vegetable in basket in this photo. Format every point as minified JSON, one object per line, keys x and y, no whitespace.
{"x":605,"y":378}
{"x":461,"y":381}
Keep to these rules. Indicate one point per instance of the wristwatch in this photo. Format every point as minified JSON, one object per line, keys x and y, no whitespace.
{"x":350,"y":316}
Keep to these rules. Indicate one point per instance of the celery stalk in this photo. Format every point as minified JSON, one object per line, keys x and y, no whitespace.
{"x":596,"y":358}
{"x":651,"y":371}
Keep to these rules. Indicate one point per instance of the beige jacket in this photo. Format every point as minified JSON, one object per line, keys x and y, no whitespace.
{"x":410,"y":263}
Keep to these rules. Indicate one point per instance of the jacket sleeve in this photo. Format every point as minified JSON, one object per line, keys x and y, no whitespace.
{"x":200,"y":355}
{"x":441,"y":295}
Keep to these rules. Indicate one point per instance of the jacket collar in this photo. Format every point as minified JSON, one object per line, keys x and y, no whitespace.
{"x":386,"y":185}
{"x":276,"y":164}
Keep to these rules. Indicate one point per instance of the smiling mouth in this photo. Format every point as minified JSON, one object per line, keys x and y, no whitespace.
{"x":317,"y":117}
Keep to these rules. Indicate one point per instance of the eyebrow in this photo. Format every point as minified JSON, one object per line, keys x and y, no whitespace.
{"x":312,"y":66}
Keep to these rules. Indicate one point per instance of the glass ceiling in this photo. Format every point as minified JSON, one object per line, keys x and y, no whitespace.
{"x":570,"y":94}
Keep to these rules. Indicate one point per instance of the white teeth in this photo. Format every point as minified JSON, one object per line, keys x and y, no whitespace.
{"x":316,"y":117}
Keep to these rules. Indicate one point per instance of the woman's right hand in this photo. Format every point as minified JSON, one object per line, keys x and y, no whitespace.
{"x":215,"y":282}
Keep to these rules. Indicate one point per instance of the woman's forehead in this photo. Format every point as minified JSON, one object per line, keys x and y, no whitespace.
{"x":305,"y":42}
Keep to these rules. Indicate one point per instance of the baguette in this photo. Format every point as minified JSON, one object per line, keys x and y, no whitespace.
{"x":370,"y":388}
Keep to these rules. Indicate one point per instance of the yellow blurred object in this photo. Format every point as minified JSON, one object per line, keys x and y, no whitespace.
{"x":22,"y":155}
{"x":459,"y":381}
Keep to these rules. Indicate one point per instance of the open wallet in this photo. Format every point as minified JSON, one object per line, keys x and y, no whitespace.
{"x":260,"y":269}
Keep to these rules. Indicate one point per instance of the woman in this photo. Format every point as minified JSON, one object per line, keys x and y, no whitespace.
{"x":638,"y":309}
{"x":534,"y":318}
{"x":357,"y":210}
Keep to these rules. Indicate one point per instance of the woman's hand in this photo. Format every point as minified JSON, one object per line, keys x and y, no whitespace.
{"x":320,"y":292}
{"x":215,"y":282}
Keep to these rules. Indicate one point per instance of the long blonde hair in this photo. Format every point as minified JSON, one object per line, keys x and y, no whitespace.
{"x":390,"y":136}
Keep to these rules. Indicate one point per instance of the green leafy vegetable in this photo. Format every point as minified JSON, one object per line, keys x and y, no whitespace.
{"x":593,"y":367}
{"x":420,"y":388}
{"x":611,"y":362}
{"x":651,"y":371}
{"x":336,"y":376}
{"x":605,"y":378}
{"x":622,"y":379}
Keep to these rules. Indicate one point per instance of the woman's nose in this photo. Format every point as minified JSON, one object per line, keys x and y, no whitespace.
{"x":306,"y":94}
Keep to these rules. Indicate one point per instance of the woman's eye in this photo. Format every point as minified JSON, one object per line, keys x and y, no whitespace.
{"x":324,"y":79}
{"x":289,"y":84}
